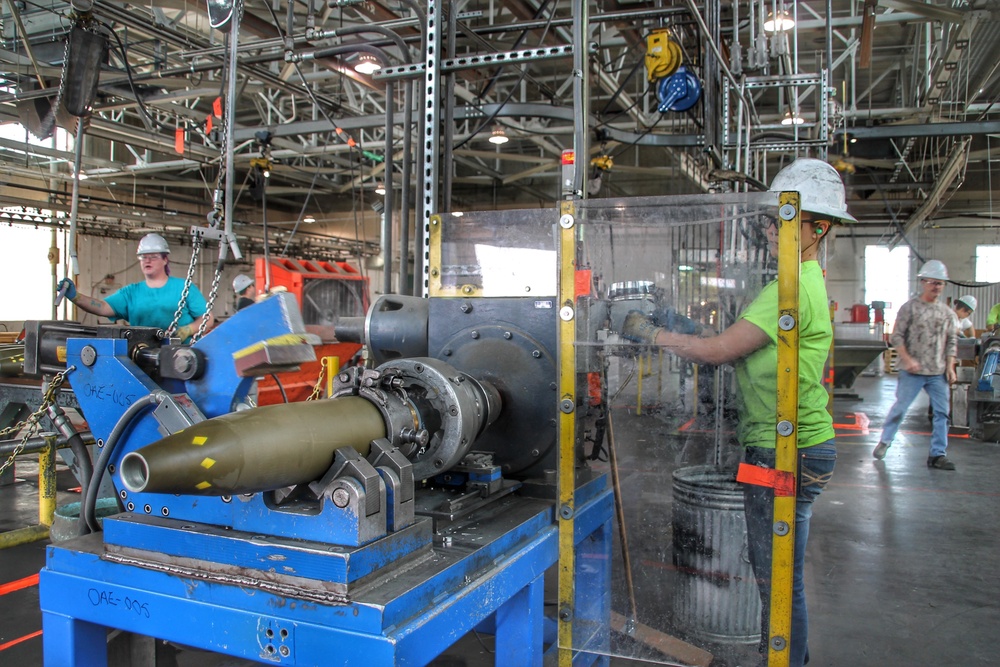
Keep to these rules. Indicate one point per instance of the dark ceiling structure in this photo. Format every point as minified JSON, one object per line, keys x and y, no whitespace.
{"x":675,"y":96}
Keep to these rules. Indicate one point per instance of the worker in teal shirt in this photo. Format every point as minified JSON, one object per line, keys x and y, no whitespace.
{"x":152,"y":302}
{"x":750,"y":345}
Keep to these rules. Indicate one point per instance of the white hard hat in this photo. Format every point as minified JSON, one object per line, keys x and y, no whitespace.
{"x":152,"y":243}
{"x":969,"y":302}
{"x":241,"y":282}
{"x":819,"y":185}
{"x":934,"y":270}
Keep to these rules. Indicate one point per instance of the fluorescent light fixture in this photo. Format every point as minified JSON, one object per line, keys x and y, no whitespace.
{"x":367,"y":64}
{"x":784,"y":23}
{"x":792,"y":119}
{"x":380,"y":188}
{"x":309,"y":219}
{"x":499,"y":137}
{"x":686,"y":268}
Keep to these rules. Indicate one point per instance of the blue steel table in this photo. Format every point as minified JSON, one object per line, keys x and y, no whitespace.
{"x":216,"y":591}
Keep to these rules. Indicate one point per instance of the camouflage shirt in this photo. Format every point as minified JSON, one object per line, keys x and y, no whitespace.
{"x":928,"y":330}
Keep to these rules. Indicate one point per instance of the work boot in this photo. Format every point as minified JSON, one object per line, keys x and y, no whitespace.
{"x":881,"y":449}
{"x":940,"y":462}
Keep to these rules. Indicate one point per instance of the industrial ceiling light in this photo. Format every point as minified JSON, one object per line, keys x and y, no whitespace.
{"x":499,"y":137}
{"x":783,"y":23}
{"x":367,"y":64}
{"x":380,"y":188}
{"x":792,"y":119}
{"x":309,"y":219}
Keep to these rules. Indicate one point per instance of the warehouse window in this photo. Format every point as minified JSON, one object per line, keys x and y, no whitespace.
{"x":988,"y":263}
{"x":24,"y":263}
{"x":887,"y":278}
{"x":25,"y":238}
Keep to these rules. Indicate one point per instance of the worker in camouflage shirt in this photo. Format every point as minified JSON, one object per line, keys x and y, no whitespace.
{"x":925,"y":337}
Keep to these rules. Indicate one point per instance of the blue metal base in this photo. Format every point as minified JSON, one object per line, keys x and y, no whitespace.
{"x":487,"y":567}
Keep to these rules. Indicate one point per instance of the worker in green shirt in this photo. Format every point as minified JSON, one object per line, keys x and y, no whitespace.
{"x":993,"y":319}
{"x":750,"y":345}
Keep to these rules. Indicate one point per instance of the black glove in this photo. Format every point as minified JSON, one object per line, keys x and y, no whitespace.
{"x":640,"y":328}
{"x":671,"y":320}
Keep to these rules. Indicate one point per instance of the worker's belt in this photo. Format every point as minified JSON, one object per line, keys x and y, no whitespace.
{"x":781,"y":481}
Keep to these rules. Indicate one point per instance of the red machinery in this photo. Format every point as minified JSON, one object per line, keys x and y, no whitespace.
{"x":326,"y":291}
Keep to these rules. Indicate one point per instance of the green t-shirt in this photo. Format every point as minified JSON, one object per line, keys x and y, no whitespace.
{"x":756,"y":374}
{"x":994,"y":316}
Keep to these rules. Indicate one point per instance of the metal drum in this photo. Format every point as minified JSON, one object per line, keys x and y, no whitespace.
{"x":716,"y":599}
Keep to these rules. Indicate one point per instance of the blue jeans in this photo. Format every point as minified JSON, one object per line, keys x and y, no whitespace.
{"x":907,"y":387}
{"x":814,"y":472}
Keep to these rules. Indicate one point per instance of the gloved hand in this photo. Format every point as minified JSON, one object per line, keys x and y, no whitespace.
{"x":67,"y":287}
{"x":183,"y":332}
{"x":671,"y":320}
{"x":640,"y":328}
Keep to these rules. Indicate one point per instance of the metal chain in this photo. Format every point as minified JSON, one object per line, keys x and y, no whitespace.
{"x":211,"y":302}
{"x":319,"y":382}
{"x":188,"y":280}
{"x":50,"y":118}
{"x":32,"y":420}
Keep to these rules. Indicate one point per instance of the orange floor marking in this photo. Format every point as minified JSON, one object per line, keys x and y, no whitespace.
{"x":17,"y":585}
{"x":15,"y":642}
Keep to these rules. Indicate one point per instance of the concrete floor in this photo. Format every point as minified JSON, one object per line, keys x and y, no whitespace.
{"x":901,"y":568}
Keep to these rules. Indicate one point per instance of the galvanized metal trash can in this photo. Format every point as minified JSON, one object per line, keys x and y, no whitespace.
{"x":716,"y":599}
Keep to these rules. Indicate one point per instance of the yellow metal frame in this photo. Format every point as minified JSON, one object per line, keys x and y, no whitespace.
{"x":434,"y":285}
{"x":786,"y":444}
{"x":567,"y":430}
{"x":46,"y":499}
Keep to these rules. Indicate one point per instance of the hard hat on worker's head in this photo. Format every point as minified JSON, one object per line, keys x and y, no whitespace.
{"x":152,"y":243}
{"x":968,"y":301}
{"x":241,"y":282}
{"x":819,"y":185}
{"x":933,"y":270}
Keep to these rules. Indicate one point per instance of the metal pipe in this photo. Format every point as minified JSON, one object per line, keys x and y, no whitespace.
{"x":715,"y":49}
{"x":81,"y":130}
{"x":37,"y":443}
{"x":448,"y":138}
{"x":404,"y":193}
{"x":581,"y":98}
{"x":389,"y":199}
{"x":230,"y":126}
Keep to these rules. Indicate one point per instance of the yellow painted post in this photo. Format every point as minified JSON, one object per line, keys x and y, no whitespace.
{"x":786,"y":454}
{"x":659,"y":375}
{"x":567,"y":430}
{"x":46,"y":499}
{"x":332,"y":366}
{"x":47,"y":482}
{"x":638,"y":388}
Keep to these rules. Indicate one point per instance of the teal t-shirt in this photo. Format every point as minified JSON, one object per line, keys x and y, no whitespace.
{"x":144,"y":306}
{"x":756,"y":374}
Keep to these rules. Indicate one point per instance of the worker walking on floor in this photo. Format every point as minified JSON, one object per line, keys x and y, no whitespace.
{"x":151,"y":302}
{"x":925,"y":338}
